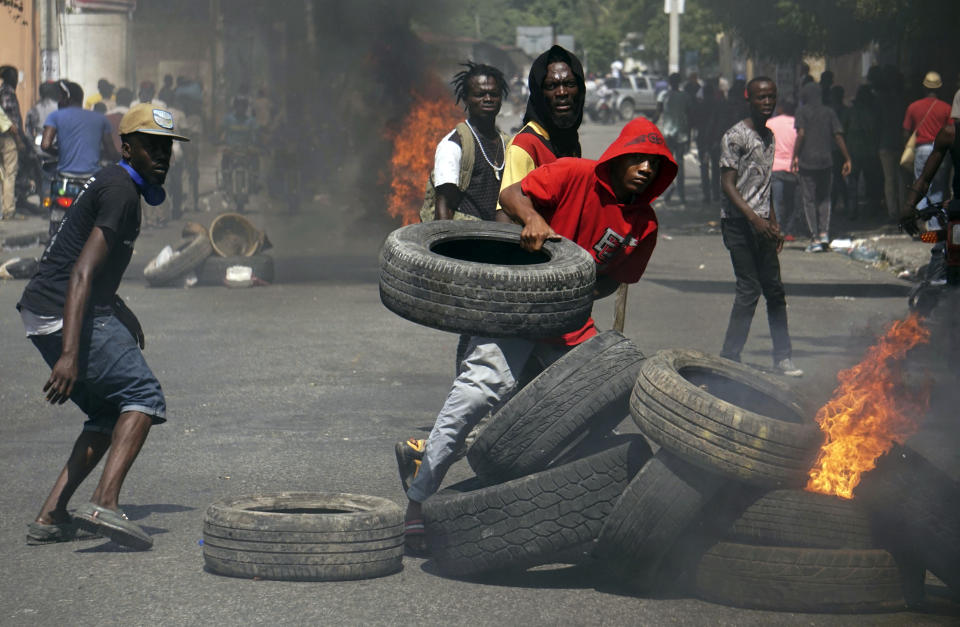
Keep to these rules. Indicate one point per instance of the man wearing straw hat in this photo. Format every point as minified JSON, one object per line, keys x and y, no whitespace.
{"x":926,"y":117}
{"x":91,"y":341}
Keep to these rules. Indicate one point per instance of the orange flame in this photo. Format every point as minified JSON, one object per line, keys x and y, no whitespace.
{"x":869,"y":411}
{"x":432,"y":115}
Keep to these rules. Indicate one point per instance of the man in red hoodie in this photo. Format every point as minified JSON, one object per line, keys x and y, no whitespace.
{"x":603,"y":206}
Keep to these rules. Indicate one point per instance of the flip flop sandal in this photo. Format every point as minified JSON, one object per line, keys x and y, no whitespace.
{"x":414,"y":537}
{"x":39,"y":533}
{"x":114,"y":525}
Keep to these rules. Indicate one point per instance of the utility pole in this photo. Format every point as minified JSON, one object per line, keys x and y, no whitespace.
{"x":49,"y":40}
{"x":674,"y":8}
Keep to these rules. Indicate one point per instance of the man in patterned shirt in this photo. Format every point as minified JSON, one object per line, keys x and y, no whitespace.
{"x":750,"y":229}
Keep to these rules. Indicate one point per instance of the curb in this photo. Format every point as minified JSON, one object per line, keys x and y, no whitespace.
{"x":23,"y":240}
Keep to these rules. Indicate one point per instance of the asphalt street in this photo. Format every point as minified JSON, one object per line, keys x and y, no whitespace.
{"x":306,"y":385}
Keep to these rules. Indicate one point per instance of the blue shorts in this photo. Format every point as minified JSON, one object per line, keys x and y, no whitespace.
{"x":113,"y":376}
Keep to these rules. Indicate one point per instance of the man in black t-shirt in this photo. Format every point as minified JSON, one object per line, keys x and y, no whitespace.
{"x":91,"y":341}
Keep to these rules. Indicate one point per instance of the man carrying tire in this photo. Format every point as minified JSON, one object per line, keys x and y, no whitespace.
{"x":72,"y":314}
{"x":603,"y":206}
{"x":553,"y":115}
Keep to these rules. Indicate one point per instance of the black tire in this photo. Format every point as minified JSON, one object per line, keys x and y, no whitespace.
{"x":789,"y":579}
{"x":725,"y":417}
{"x":472,"y":277}
{"x":303,"y":536}
{"x":535,"y":520}
{"x":917,"y":508}
{"x":804,"y":520}
{"x":214,"y":269}
{"x":587,"y":390}
{"x":665,"y":497}
{"x":627,"y":110}
{"x":190,"y":253}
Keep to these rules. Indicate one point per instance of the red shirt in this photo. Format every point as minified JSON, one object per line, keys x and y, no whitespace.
{"x":576,"y":199}
{"x":931,"y":125}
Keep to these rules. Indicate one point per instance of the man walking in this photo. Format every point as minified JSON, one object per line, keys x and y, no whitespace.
{"x":673,"y":118}
{"x":72,"y":314}
{"x":11,"y":142}
{"x":605,"y":207}
{"x":750,"y":229}
{"x":926,"y":117}
{"x":817,"y":129}
{"x":783,"y":184}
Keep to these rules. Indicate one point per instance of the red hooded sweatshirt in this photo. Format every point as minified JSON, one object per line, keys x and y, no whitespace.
{"x":576,"y":199}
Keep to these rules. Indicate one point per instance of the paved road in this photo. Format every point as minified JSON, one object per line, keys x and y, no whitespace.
{"x":306,"y":385}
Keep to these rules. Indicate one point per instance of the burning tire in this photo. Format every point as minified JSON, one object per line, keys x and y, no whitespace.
{"x":473,"y":278}
{"x":803,"y":519}
{"x":919,"y":508}
{"x":665,"y":497}
{"x":585,"y":391}
{"x":724,"y":417}
{"x":804,"y":580}
{"x":190,"y":253}
{"x":538,"y":519}
{"x":302,"y":536}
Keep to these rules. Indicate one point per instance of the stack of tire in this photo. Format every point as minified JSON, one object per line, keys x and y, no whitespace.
{"x":719,"y":503}
{"x":231,"y":241}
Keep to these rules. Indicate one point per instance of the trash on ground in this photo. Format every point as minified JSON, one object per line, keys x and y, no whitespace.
{"x":18,"y":268}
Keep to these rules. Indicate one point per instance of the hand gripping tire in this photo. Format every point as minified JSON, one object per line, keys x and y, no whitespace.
{"x":585,"y":391}
{"x":189,"y":254}
{"x":529,"y":521}
{"x":788,"y":579}
{"x":303,"y":536}
{"x":725,"y":417}
{"x":473,"y":278}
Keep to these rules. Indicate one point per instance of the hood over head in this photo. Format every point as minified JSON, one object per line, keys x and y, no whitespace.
{"x":811,"y":94}
{"x":564,"y":141}
{"x":640,"y":136}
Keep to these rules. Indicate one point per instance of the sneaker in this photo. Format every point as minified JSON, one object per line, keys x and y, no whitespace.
{"x":824,"y":239}
{"x":112,"y":524}
{"x":814,"y":247}
{"x":788,"y":368}
{"x":409,"y":454}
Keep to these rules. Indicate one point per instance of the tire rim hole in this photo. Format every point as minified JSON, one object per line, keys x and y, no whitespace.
{"x":489,"y":251}
{"x":739,"y":394}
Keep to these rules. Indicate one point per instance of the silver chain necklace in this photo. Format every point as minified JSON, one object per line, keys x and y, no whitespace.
{"x":496,"y":169}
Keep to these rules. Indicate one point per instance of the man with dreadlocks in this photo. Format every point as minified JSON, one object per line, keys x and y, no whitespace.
{"x":470,"y":158}
{"x":464,"y":185}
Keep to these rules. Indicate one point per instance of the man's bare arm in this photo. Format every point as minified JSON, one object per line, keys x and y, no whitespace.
{"x":520,"y":208}
{"x":941,"y":146}
{"x":842,"y":145}
{"x":728,"y":183}
{"x":448,"y":199}
{"x":49,"y":134}
{"x":64,"y":374}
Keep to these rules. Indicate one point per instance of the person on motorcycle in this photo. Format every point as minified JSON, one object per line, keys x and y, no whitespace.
{"x":945,"y":143}
{"x":50,"y":97}
{"x":240,"y":134}
{"x":83,"y":137}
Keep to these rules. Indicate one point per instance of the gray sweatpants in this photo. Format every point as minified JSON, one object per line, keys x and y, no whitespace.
{"x":487,"y":378}
{"x":815,"y":191}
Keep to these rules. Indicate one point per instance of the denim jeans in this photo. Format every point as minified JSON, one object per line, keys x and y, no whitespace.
{"x":114,"y":378}
{"x":756,"y":265}
{"x":785,"y":193}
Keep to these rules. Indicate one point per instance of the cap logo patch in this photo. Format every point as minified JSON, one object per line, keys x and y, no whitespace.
{"x":163,"y":119}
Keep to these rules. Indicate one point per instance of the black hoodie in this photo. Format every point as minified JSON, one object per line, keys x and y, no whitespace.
{"x":563,"y":142}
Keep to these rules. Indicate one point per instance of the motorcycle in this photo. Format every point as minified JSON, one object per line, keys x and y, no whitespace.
{"x":237,"y":178}
{"x":64,"y":189}
{"x":936,"y":287}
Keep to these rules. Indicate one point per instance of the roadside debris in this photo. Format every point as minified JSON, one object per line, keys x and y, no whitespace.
{"x":18,"y":268}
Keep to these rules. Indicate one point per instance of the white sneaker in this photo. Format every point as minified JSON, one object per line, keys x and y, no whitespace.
{"x":788,"y":368}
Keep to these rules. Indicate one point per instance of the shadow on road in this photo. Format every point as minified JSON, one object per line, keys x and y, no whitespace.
{"x":813,"y":290}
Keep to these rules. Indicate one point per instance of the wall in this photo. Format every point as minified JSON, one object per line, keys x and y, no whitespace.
{"x":95,"y":46}
{"x":18,"y":34}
